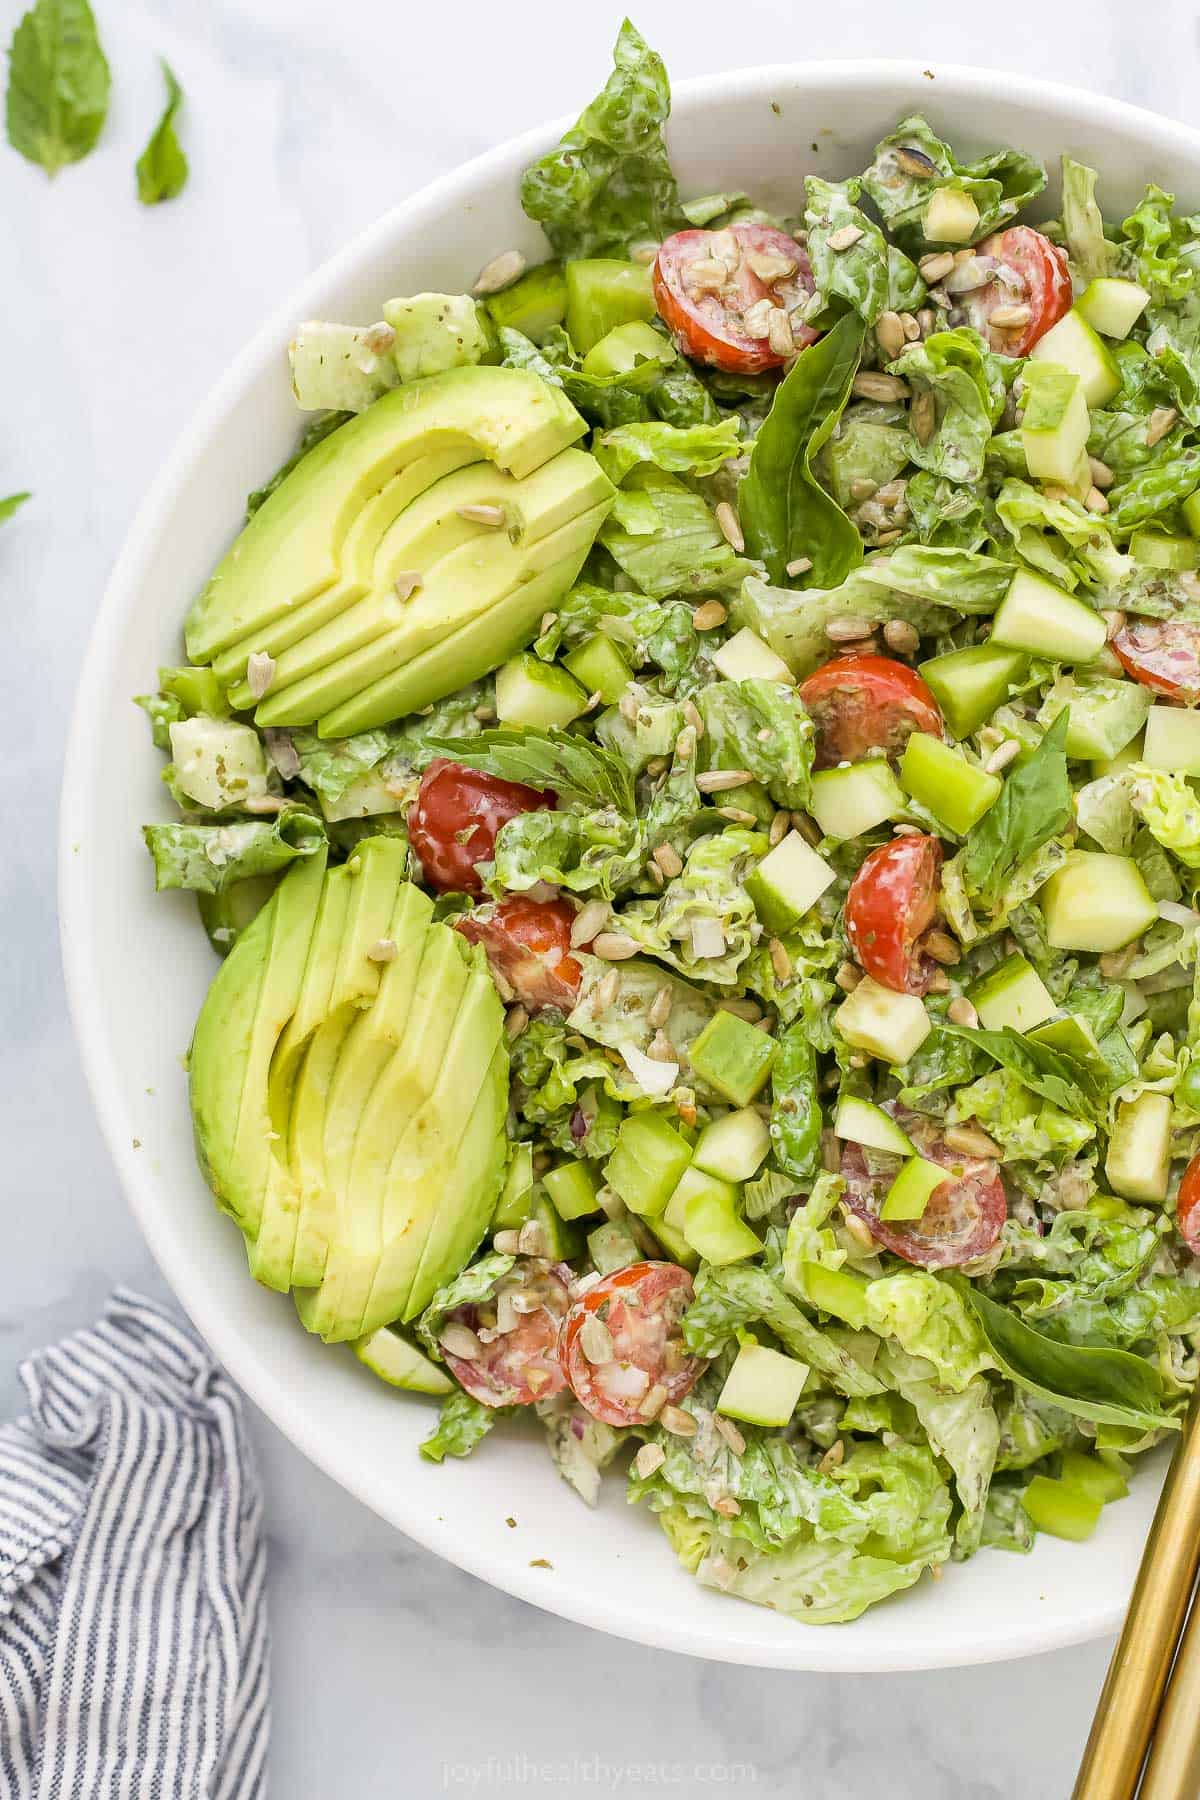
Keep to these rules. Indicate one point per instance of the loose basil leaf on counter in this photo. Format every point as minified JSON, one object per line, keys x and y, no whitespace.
{"x":58,"y":84}
{"x":12,"y":503}
{"x":162,"y":168}
{"x":785,"y":513}
{"x":1033,"y":806}
{"x":1111,"y":1387}
{"x":577,"y":770}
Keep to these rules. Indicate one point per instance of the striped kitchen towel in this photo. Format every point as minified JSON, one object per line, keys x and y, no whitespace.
{"x":133,"y":1622}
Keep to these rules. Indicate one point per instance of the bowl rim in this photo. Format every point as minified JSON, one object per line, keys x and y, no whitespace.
{"x":808,"y":1650}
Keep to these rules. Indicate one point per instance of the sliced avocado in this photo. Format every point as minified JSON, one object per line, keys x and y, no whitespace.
{"x":292,"y":548}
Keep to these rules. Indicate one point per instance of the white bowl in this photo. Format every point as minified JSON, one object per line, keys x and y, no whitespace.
{"x":137,"y":964}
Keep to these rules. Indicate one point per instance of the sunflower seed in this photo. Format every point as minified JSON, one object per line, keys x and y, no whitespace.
{"x":595,"y":1340}
{"x":730,"y":1433}
{"x":659,"y":1010}
{"x":515,"y":1021}
{"x":485,"y":714}
{"x":483,"y":515}
{"x":799,"y":565}
{"x":926,"y":321}
{"x":912,"y":327}
{"x":961,"y":1012}
{"x":889,"y":335}
{"x":847,"y":630}
{"x":1002,"y":755}
{"x":383,"y":950}
{"x":607,"y":989}
{"x":668,"y":860}
{"x":781,"y":962}
{"x":260,"y":672}
{"x":737,"y":815}
{"x":971,"y":1141}
{"x":923,"y":417}
{"x":862,"y":488}
{"x":685,"y":744}
{"x":1114,"y":621}
{"x":833,"y":1457}
{"x":848,"y":977}
{"x":588,"y":921}
{"x":868,"y":384}
{"x":942,"y":947}
{"x":1102,"y":475}
{"x":648,"y":1459}
{"x":709,"y":616}
{"x":716,"y":781}
{"x":507,"y":1242}
{"x":1096,"y":501}
{"x":1009,"y":318}
{"x":843,"y":237}
{"x":549,"y":619}
{"x":460,"y":1341}
{"x":935,"y":266}
{"x":532,"y":1240}
{"x":1161,"y":421}
{"x":501,"y":272}
{"x":901,"y":637}
{"x":856,"y":1228}
{"x":407,"y":583}
{"x":691,"y":714}
{"x":615,"y":946}
{"x":780,"y":826}
{"x":730,"y":525}
{"x":678,"y":1422}
{"x":1115,"y":963}
{"x":915,"y":162}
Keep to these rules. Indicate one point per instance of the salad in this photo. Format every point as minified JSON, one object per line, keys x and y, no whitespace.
{"x":691,"y":771}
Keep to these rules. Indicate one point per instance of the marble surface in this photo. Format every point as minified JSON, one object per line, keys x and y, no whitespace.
{"x":393,"y":1671}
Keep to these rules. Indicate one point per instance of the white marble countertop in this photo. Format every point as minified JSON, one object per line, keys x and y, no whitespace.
{"x":393,"y":1671}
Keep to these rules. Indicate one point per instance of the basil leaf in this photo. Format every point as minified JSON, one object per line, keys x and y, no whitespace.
{"x":1111,"y":1387}
{"x":785,"y":513}
{"x":12,"y":503}
{"x":1051,"y":1073}
{"x":610,"y":179}
{"x":578,"y":771}
{"x":162,"y":168}
{"x":58,"y":84}
{"x":1034,"y":806}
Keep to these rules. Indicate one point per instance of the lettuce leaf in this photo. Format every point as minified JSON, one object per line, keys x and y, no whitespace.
{"x":961,"y":1426}
{"x":869,"y":275}
{"x":926,"y":1318}
{"x":729,"y":1298}
{"x":210,"y":858}
{"x":469,"y":1287}
{"x":463,"y":1422}
{"x":1083,"y":225}
{"x":706,"y":900}
{"x":690,"y":450}
{"x":1000,"y":184}
{"x":578,"y":771}
{"x":965,"y":384}
{"x":1170,"y":808}
{"x":761,"y":726}
{"x":685,"y":552}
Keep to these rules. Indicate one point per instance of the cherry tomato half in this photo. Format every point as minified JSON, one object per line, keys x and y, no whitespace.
{"x":890,"y":906}
{"x":1163,"y":654}
{"x":517,"y":1359}
{"x":705,"y":283}
{"x":1187,"y":1206}
{"x":1023,"y":269}
{"x":528,"y":946}
{"x":964,"y":1216}
{"x":644,"y":1363}
{"x":865,"y":703}
{"x":456,"y":817}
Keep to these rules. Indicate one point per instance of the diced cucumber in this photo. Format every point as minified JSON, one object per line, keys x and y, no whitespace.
{"x":652,"y":732}
{"x":712,"y":1226}
{"x":534,"y":305}
{"x":398,"y":1362}
{"x":762,"y":1387}
{"x":970,"y":684}
{"x":1112,"y":307}
{"x":1072,"y":344}
{"x":951,"y":217}
{"x":1124,"y":759}
{"x":1035,"y":615}
{"x":861,"y":1122}
{"x":537,"y":694}
{"x":846,"y":803}
{"x":744,"y":657}
{"x":885,"y":1024}
{"x":647,"y":1161}
{"x":1190,"y":508}
{"x":692,"y":1182}
{"x":1105,"y":713}
{"x":956,"y":791}
{"x":613,"y":1246}
{"x":512,"y":1208}
{"x":1012,"y":994}
{"x":622,"y":349}
{"x":674,"y":1243}
{"x":836,"y":1291}
{"x":1172,"y":739}
{"x":435,"y":332}
{"x":1062,"y":1511}
{"x":1088,"y":1475}
{"x":600,"y":668}
{"x":912,"y":1189}
{"x":733,"y":1057}
{"x":572,"y":1188}
{"x":197,"y":690}
{"x":1096,"y":902}
{"x":788,"y":881}
{"x":604,"y":292}
{"x":1164,"y":549}
{"x":1055,"y":423}
{"x":218,"y":763}
{"x":733,"y":1146}
{"x":1073,"y":1035}
{"x":562,"y":1238}
{"x":1139,"y":1150}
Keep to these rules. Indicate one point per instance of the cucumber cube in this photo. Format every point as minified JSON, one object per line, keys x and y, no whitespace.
{"x":969,"y":685}
{"x":1190,"y":508}
{"x":733,"y":1147}
{"x":562,"y":1238}
{"x":622,"y":349}
{"x":744,"y":657}
{"x":602,"y":293}
{"x":951,"y":217}
{"x":846,"y":803}
{"x":572,"y":1188}
{"x":1062,"y":1511}
{"x":647,"y":1161}
{"x":534,"y":305}
{"x":1139,"y":1150}
{"x":512,"y":1208}
{"x":885,"y":1024}
{"x":956,"y":791}
{"x":787,"y":882}
{"x":218,"y":763}
{"x":398,"y":1362}
{"x":613,"y":1246}
{"x":1164,"y":550}
{"x":1105,"y":713}
{"x":762,"y":1387}
{"x":1096,"y":902}
{"x":836,"y":1291}
{"x":1072,"y":344}
{"x":1173,"y":740}
{"x":537,"y":694}
{"x":712,"y":1227}
{"x":1112,"y":307}
{"x":674,"y":1243}
{"x":694,"y":1181}
{"x":1088,"y":1475}
{"x":1035,"y":615}
{"x":861,"y":1122}
{"x":733,"y":1057}
{"x":912,"y":1189}
{"x":1124,"y":759}
{"x":1013,"y":994}
{"x":600,"y":668}
{"x":1055,"y":423}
